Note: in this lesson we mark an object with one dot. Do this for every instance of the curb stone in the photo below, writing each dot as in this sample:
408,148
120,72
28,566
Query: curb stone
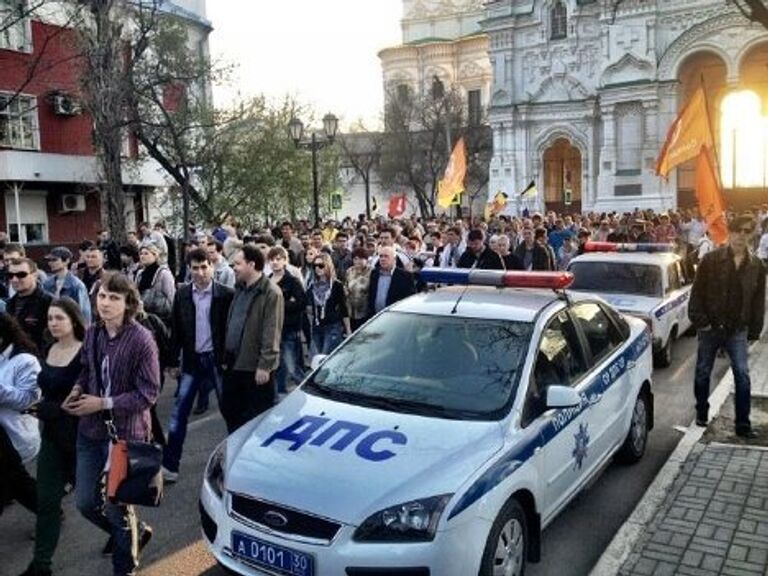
663,486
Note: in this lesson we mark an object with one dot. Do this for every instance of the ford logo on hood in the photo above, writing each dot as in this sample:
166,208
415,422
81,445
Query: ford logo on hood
275,519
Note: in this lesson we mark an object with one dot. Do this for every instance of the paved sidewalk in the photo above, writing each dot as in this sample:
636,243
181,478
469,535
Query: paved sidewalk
714,518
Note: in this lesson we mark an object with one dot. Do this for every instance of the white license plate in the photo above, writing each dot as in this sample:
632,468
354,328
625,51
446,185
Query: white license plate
277,558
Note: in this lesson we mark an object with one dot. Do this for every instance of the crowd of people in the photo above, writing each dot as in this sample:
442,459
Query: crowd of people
231,312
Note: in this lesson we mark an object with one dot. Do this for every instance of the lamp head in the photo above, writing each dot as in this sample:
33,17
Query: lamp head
330,125
295,130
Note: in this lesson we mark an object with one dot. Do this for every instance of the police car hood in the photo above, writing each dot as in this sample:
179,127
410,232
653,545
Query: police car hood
345,462
631,304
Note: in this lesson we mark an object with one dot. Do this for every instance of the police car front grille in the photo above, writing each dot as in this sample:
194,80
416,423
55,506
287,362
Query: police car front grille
296,523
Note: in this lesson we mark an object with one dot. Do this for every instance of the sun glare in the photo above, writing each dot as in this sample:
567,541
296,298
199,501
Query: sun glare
743,141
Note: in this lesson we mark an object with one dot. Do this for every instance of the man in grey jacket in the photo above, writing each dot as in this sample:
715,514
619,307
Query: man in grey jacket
252,344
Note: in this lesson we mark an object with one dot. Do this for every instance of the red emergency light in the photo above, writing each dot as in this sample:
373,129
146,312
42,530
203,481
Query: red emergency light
501,278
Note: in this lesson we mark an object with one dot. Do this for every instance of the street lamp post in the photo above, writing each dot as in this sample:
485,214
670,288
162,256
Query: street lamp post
314,144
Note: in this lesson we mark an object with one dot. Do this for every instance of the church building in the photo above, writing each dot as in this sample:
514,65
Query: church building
584,91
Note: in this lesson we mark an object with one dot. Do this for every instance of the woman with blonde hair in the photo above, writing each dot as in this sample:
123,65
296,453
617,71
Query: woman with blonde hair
156,284
327,305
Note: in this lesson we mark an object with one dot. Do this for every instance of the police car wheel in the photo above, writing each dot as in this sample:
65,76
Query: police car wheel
664,356
507,544
637,438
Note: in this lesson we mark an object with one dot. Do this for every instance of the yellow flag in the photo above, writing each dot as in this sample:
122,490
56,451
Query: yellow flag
452,183
488,212
687,134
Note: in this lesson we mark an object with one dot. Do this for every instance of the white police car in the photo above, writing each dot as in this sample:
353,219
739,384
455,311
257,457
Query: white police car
645,280
439,439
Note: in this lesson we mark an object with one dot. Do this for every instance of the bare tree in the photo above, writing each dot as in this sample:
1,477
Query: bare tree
169,105
420,132
142,79
104,86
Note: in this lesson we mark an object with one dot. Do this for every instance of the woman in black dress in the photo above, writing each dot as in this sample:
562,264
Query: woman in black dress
56,461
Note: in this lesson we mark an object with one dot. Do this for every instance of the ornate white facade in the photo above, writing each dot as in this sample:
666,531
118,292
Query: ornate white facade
442,39
604,81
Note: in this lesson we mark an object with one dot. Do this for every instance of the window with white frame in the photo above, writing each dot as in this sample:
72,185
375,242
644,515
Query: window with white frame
15,31
558,21
629,138
18,121
33,210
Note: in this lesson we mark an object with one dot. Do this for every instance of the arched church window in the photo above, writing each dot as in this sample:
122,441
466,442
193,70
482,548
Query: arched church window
558,21
438,88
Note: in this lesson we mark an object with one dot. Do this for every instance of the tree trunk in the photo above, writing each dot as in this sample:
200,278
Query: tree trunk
113,196
104,90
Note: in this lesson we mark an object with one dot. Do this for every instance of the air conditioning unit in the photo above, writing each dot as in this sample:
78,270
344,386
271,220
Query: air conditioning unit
72,203
64,105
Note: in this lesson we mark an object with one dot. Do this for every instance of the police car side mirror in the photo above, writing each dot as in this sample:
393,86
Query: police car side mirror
562,397
317,361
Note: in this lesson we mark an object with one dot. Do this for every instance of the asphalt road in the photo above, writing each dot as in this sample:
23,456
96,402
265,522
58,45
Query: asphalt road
572,543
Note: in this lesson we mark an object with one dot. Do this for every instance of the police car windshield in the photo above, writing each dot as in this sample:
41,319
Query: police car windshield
617,277
449,367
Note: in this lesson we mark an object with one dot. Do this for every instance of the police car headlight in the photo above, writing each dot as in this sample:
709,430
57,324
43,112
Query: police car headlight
414,521
214,473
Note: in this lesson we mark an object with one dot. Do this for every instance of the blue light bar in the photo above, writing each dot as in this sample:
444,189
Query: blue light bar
445,276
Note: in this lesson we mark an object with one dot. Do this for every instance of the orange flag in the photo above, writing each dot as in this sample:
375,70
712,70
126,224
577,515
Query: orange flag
710,197
452,183
688,133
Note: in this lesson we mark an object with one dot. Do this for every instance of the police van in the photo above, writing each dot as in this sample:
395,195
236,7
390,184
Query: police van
648,281
439,439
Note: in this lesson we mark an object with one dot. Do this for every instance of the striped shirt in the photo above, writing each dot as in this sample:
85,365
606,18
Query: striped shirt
133,378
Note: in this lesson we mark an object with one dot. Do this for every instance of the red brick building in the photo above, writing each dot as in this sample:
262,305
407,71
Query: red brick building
49,173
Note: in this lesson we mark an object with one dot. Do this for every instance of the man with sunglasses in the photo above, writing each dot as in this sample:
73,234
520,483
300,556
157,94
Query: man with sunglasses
727,308
30,302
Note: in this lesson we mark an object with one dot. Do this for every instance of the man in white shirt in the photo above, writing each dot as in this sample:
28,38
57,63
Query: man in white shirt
453,249
222,271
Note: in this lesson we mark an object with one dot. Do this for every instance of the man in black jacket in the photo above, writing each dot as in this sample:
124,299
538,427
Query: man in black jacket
531,253
478,255
200,311
389,284
29,304
727,308
294,301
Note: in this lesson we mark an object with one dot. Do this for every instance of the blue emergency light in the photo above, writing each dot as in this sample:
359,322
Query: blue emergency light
627,247
501,278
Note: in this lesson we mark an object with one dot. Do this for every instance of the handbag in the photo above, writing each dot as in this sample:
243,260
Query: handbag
134,473
157,302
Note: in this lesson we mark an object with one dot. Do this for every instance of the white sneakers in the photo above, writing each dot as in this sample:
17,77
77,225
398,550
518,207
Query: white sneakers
169,477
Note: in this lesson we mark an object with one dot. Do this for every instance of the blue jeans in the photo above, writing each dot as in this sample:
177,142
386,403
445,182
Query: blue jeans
710,341
291,360
325,339
205,377
116,520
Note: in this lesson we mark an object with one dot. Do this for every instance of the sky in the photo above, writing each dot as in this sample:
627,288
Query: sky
324,52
